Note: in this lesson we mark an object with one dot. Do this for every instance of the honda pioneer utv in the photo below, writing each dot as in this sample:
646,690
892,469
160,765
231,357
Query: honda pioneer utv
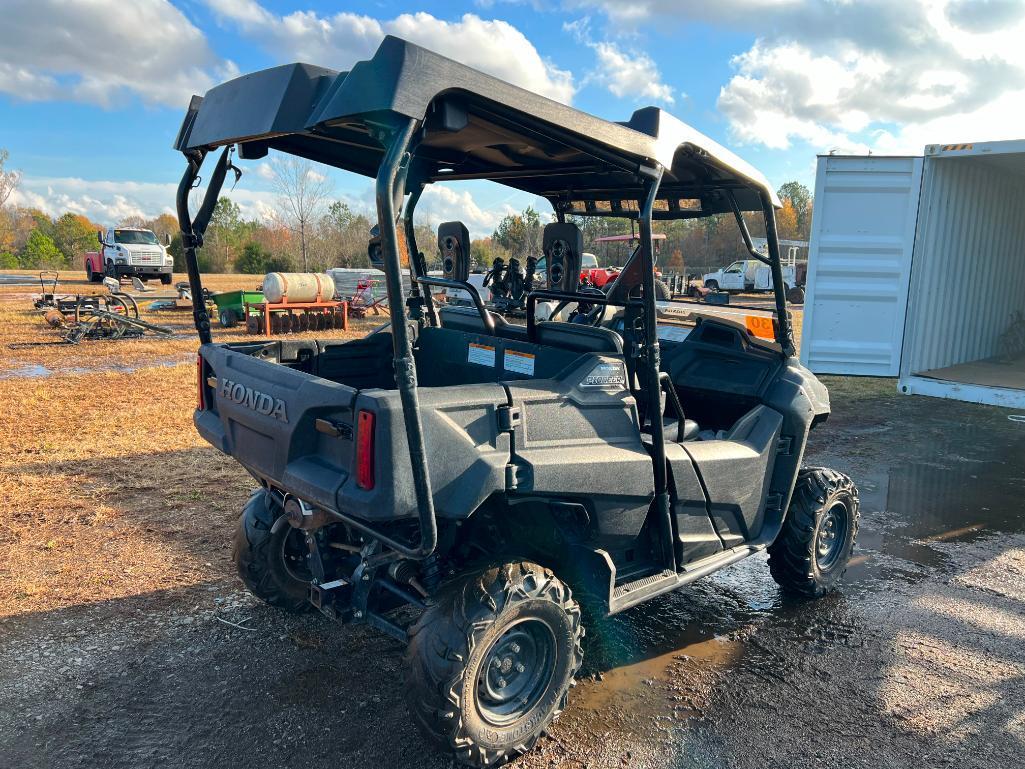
489,478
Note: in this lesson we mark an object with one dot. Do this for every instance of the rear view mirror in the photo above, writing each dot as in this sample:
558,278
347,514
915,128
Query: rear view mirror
99,236
167,239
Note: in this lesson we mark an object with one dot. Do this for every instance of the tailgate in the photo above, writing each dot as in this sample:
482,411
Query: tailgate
265,414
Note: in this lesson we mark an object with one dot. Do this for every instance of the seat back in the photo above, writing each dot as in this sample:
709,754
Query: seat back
469,320
579,338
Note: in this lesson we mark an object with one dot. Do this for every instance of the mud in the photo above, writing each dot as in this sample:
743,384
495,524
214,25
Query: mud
33,370
918,661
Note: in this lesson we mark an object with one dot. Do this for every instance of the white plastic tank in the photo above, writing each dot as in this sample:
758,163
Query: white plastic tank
298,287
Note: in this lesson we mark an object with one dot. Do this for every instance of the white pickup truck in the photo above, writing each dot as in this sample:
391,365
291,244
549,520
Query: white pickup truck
747,275
127,252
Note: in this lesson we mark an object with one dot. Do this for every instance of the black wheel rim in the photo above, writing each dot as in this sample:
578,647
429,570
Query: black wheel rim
293,555
831,536
516,672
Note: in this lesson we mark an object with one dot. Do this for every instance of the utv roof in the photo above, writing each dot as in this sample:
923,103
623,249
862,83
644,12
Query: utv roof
474,127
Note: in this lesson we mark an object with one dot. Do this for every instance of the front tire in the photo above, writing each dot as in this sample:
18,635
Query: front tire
811,553
271,559
165,280
491,662
662,292
712,285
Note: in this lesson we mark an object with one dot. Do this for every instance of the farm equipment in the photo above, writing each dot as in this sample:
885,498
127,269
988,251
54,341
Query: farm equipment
295,302
493,477
364,300
232,305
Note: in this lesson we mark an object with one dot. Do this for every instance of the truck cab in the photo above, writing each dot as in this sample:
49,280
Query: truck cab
747,275
129,252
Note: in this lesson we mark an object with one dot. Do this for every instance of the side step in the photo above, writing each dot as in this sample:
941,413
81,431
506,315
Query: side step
632,593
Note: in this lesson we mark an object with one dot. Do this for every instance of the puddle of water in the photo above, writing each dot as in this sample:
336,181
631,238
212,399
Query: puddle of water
33,370
26,371
923,504
627,681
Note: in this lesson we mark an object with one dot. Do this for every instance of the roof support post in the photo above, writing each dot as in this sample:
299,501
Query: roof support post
652,384
390,188
192,229
784,334
414,256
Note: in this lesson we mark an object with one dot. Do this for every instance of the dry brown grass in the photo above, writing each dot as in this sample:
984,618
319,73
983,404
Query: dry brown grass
20,323
106,490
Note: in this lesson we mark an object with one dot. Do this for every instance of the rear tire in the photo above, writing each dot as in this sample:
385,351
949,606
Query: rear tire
795,295
228,318
271,560
810,555
491,662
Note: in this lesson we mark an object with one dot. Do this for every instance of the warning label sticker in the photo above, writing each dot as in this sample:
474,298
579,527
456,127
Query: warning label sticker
481,354
520,362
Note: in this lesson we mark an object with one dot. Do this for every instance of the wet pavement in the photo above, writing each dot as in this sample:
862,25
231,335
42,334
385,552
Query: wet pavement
919,660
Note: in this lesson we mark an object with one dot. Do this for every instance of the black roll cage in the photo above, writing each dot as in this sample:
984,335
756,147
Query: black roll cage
396,179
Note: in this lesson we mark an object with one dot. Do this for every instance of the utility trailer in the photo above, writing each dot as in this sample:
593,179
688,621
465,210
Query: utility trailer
496,477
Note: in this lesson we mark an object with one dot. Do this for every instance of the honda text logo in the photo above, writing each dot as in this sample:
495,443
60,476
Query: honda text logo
253,399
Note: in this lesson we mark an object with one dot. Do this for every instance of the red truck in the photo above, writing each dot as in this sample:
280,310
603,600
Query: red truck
129,252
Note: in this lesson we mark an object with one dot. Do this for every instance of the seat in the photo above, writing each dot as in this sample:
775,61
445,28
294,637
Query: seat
469,320
671,430
579,338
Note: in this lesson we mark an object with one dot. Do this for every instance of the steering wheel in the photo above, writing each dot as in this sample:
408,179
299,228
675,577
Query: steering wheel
593,316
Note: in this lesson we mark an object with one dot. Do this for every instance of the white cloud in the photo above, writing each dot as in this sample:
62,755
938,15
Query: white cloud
441,203
628,75
857,75
341,39
97,52
109,202
632,76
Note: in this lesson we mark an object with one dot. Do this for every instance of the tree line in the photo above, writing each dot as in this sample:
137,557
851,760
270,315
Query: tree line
310,232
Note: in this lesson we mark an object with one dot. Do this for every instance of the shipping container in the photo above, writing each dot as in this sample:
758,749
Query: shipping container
917,270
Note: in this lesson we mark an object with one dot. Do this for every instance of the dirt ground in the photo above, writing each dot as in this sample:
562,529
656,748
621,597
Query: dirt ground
126,640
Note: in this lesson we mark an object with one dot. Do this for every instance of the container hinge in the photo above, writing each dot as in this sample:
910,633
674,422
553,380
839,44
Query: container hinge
508,417
334,429
515,475
785,445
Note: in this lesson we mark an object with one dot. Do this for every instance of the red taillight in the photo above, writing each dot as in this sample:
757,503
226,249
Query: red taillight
200,385
365,450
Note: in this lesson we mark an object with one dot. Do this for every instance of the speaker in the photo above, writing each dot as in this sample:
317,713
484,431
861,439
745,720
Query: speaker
454,244
563,245
374,250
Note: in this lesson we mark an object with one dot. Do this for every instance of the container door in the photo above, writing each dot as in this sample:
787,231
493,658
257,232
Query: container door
859,264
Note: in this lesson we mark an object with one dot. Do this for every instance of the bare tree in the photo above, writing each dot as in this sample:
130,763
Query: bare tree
8,179
301,194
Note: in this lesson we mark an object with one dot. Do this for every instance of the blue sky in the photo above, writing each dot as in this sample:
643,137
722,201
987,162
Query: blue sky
92,91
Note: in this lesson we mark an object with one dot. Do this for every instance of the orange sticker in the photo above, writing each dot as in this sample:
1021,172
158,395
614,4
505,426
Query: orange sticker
761,326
